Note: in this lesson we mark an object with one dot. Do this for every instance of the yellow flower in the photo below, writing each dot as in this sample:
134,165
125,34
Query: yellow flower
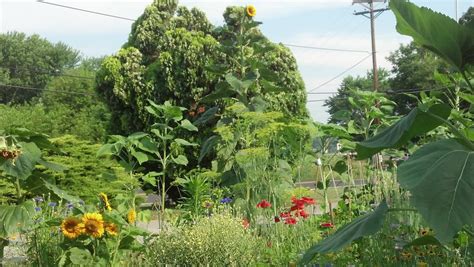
421,264
251,11
93,224
105,199
132,216
72,227
111,229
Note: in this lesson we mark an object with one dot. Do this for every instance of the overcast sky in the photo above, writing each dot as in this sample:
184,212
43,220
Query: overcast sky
320,23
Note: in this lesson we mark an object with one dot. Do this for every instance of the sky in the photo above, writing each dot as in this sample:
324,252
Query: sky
317,23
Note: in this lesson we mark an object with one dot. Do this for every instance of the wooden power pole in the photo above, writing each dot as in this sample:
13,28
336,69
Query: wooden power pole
372,14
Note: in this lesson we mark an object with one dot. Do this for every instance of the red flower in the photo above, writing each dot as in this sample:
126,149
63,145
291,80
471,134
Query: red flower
303,214
245,223
308,200
285,214
327,225
277,219
264,204
298,204
290,220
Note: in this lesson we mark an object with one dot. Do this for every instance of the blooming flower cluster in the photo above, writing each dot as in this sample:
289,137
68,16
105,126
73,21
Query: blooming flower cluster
91,224
264,204
226,200
297,210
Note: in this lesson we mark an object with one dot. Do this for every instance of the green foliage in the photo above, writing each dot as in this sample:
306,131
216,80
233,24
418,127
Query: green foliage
175,54
86,175
30,61
420,121
452,41
213,241
365,225
440,176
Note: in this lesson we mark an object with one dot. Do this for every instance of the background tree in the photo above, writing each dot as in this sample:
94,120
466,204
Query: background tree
30,61
169,56
338,105
413,70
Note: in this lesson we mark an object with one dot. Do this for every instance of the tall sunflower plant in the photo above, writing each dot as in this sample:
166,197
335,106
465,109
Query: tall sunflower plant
103,234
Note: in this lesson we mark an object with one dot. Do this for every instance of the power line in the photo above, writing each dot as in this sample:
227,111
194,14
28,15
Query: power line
340,74
44,90
327,48
85,10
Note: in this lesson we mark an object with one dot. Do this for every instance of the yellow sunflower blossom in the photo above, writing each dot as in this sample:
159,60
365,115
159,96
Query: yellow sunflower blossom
132,216
105,199
111,229
251,10
406,256
93,224
72,227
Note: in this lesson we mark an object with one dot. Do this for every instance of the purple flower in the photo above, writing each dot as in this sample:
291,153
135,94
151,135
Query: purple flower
38,199
69,205
226,200
52,204
37,209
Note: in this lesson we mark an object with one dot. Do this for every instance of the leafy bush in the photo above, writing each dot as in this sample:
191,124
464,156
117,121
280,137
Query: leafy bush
86,175
220,240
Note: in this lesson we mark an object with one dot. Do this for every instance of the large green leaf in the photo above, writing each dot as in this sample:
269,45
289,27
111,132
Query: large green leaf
440,177
24,165
208,146
206,116
15,218
436,32
365,225
417,122
185,124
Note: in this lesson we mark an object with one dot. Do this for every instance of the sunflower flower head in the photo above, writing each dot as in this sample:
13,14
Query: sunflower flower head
105,200
111,229
131,216
72,227
251,10
93,224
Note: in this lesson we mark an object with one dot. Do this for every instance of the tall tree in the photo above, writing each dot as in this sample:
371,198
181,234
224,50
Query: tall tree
30,61
170,55
413,70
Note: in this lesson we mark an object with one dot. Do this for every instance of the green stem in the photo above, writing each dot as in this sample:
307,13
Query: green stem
18,191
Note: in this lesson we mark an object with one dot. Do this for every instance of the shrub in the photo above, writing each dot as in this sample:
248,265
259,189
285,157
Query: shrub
220,240
86,175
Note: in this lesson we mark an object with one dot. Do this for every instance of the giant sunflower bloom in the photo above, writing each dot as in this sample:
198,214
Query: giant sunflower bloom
93,224
105,199
251,10
111,229
72,227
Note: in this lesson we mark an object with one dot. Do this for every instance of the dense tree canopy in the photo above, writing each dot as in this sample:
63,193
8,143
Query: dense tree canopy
30,61
170,55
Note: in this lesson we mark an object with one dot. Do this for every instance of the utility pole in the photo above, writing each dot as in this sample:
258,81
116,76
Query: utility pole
371,14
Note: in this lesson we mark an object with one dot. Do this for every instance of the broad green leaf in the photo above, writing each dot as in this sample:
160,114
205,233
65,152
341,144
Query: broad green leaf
340,167
52,166
234,82
424,240
23,166
222,91
14,218
173,112
80,257
468,97
188,126
137,136
206,116
181,160
140,156
184,142
365,225
269,87
208,145
61,193
107,149
436,32
440,177
146,144
417,122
